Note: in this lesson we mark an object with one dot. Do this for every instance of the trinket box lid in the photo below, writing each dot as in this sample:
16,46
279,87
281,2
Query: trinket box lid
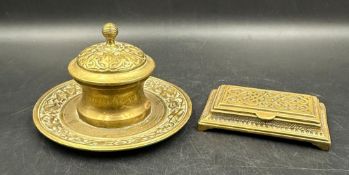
111,63
268,104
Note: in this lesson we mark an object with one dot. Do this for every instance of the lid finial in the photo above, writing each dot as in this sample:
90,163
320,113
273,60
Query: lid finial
110,31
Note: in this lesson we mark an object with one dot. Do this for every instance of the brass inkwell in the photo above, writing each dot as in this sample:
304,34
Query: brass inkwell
113,103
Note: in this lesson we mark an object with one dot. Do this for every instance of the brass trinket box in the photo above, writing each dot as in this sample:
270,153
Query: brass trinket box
113,103
273,113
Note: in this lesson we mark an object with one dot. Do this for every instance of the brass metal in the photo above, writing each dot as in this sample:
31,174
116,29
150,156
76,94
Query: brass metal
112,75
112,104
273,113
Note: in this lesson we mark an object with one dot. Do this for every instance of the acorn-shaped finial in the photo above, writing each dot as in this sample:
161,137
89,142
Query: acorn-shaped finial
110,31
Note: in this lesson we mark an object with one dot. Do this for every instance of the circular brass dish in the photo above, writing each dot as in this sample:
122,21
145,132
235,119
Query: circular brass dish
56,117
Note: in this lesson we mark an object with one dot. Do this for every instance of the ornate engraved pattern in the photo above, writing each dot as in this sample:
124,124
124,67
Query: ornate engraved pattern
274,126
317,135
51,105
264,99
111,58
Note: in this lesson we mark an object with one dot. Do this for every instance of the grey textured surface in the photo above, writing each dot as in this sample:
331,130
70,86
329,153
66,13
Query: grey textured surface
306,56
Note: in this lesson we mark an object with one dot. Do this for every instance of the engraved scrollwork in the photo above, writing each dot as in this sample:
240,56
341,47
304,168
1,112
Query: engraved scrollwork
111,58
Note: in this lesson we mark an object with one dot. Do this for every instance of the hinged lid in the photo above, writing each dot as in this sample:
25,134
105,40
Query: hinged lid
267,104
111,62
